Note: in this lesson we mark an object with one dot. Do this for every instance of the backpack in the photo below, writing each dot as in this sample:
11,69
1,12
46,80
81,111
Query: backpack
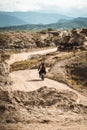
43,68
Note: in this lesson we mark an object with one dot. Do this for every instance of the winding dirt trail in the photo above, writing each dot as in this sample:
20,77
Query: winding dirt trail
26,55
28,80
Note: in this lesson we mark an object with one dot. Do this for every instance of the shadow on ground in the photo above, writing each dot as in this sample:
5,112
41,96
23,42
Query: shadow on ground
34,80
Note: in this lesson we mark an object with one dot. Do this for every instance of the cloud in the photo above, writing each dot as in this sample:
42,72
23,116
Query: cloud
70,7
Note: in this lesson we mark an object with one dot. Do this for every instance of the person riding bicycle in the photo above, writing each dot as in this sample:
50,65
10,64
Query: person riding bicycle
42,69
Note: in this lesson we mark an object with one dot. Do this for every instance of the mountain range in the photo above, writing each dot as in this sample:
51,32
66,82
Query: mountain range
39,21
21,18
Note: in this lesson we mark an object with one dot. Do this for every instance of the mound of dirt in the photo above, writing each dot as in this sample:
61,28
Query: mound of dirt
19,106
72,71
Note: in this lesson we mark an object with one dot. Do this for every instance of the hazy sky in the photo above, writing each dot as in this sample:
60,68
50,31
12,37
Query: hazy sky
66,7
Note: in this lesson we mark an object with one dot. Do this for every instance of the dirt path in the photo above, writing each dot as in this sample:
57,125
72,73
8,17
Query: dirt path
28,80
25,55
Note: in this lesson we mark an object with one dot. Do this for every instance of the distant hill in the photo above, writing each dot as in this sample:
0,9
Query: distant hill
62,24
70,24
29,18
8,20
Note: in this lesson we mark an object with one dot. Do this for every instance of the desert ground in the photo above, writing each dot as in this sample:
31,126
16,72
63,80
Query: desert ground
56,105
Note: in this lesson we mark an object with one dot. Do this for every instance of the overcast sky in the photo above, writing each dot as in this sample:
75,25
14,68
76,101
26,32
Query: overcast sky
67,7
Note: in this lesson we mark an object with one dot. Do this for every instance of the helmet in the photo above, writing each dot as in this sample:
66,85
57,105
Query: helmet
42,63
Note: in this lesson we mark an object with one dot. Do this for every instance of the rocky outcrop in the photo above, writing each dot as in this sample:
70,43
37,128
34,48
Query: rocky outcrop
16,40
72,71
77,70
65,40
23,40
4,72
72,39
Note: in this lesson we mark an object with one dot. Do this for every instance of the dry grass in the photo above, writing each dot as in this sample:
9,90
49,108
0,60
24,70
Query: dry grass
22,65
34,62
50,59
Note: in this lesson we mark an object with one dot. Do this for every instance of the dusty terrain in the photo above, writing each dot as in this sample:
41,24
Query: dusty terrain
32,104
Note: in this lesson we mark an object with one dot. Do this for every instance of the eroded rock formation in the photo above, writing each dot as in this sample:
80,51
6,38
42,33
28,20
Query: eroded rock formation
4,72
65,40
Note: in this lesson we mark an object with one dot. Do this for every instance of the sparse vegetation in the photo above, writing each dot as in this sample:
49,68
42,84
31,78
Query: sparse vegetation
50,29
26,64
34,62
